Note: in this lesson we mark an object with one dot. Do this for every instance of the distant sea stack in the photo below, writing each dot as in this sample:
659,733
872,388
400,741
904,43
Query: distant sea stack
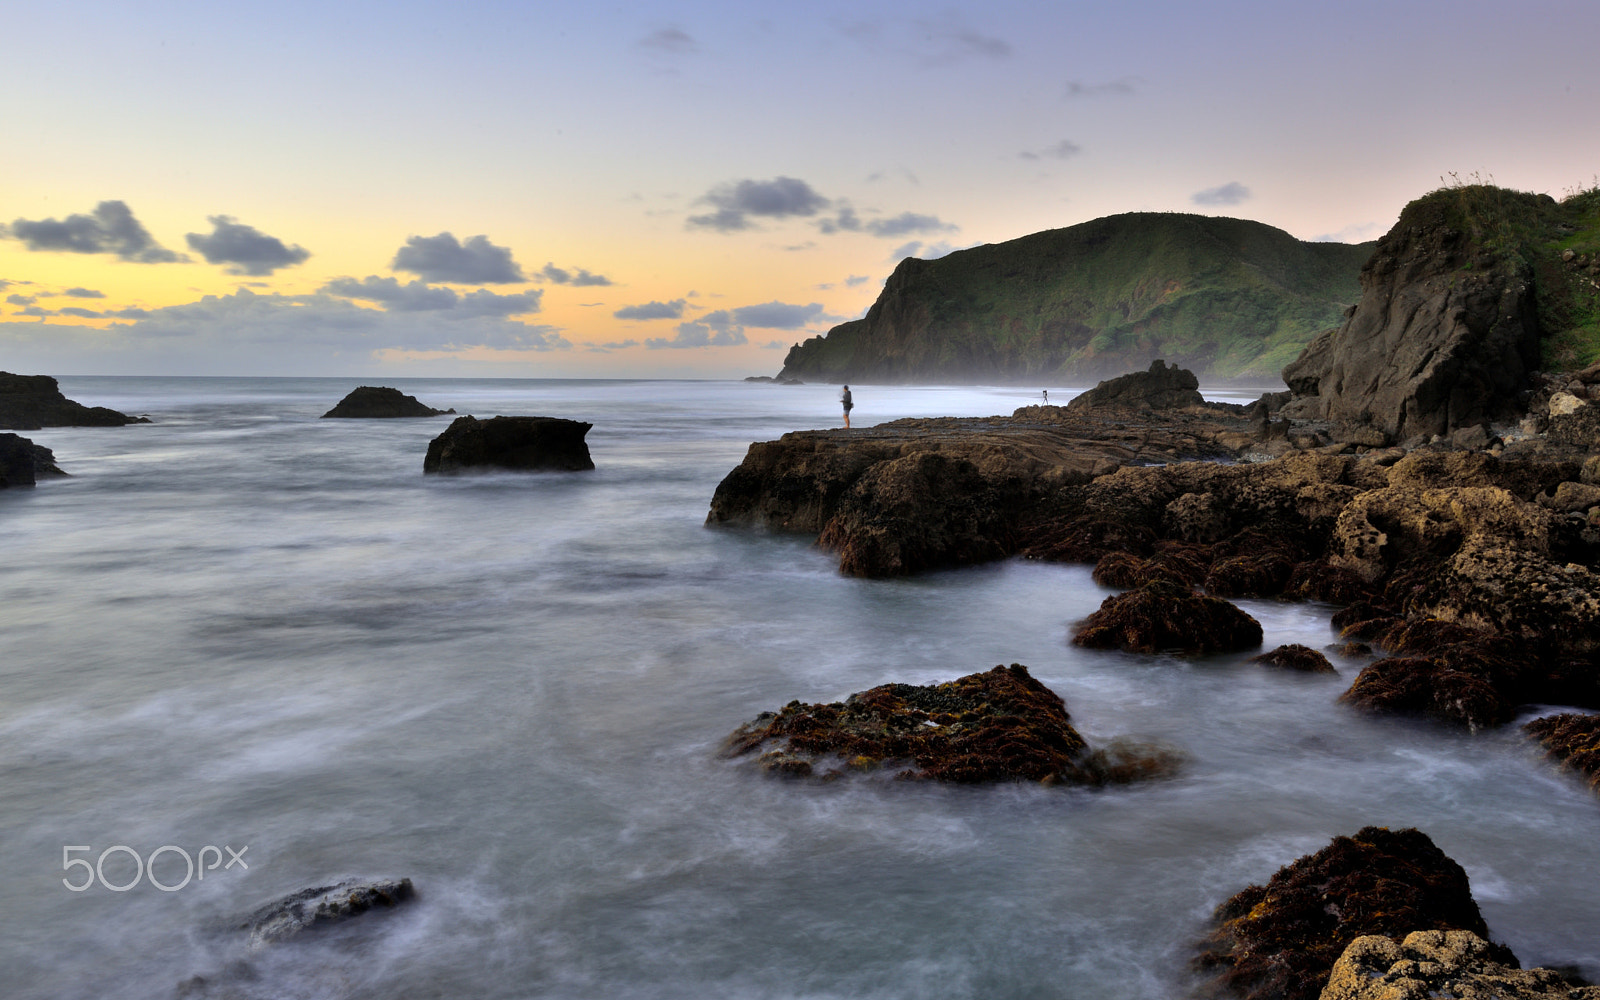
529,444
369,402
1474,289
31,402
1226,298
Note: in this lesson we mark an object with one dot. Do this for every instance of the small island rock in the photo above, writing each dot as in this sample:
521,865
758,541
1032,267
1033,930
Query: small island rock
522,443
31,402
372,402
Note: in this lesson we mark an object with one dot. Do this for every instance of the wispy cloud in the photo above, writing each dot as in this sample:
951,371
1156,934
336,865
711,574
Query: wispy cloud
418,296
1231,193
575,276
1125,87
1066,149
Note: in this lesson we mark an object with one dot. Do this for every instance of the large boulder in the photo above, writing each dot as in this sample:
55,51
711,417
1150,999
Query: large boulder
372,402
1162,616
1280,941
1430,964
1001,725
22,462
30,402
1446,332
1572,739
522,443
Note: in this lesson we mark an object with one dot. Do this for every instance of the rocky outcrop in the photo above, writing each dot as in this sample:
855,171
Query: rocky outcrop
1162,617
324,905
31,402
22,462
1573,740
1431,964
369,402
1281,940
1159,388
1001,725
527,444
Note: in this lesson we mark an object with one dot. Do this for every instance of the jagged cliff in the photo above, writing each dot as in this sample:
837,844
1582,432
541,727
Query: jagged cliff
1226,298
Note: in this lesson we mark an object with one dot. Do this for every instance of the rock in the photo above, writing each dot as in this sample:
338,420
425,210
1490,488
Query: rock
997,726
323,905
1563,403
1421,686
522,443
1429,964
22,462
1281,940
1165,617
30,402
1296,657
1571,498
1573,740
1444,336
371,402
1579,429
1159,388
1474,438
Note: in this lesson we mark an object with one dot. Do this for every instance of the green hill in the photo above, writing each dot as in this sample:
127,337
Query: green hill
1227,298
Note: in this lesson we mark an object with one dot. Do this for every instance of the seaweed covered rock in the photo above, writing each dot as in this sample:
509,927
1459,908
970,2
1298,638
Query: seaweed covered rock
1425,687
22,462
369,402
1001,725
323,905
30,402
1430,964
1280,940
1447,671
1162,616
1296,657
522,443
1572,739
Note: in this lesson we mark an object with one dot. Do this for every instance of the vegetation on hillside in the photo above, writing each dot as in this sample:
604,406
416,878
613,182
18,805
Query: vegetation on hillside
1227,298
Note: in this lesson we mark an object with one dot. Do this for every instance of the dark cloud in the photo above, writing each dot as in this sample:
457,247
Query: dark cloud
21,300
443,258
653,310
83,293
78,311
1231,193
614,345
669,40
737,202
575,276
772,315
247,249
129,313
1066,149
845,220
418,296
39,311
1116,88
110,229
700,334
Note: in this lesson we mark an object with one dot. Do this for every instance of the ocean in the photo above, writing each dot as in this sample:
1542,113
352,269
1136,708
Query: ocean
244,628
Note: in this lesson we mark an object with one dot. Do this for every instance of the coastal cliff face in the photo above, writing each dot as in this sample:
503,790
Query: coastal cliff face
1227,298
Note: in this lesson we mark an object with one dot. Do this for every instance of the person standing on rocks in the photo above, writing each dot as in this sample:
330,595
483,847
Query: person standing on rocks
1047,397
848,406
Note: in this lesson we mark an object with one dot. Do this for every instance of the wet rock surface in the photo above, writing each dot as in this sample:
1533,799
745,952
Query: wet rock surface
529,444
1296,657
1001,725
1281,940
323,906
1430,964
369,402
31,402
1164,617
22,462
1573,740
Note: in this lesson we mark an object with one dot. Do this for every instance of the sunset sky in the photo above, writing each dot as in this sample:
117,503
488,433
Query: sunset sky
687,189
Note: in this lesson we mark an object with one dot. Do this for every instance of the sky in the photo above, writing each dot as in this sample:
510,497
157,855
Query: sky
686,190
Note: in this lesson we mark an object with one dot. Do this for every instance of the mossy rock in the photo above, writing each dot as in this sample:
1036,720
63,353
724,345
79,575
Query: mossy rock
1165,617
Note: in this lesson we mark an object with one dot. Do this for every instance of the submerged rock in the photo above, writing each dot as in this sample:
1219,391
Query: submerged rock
324,905
1430,964
1162,616
22,462
523,443
1572,739
30,402
997,726
373,402
1280,941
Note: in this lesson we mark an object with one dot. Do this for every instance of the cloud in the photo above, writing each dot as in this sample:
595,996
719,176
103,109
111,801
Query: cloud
653,310
736,202
774,345
931,44
700,334
1124,87
928,251
1355,233
672,41
110,229
725,327
21,300
1066,149
575,276
250,251
443,258
418,296
856,279
78,311
1231,193
614,345
81,293
904,224
771,315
